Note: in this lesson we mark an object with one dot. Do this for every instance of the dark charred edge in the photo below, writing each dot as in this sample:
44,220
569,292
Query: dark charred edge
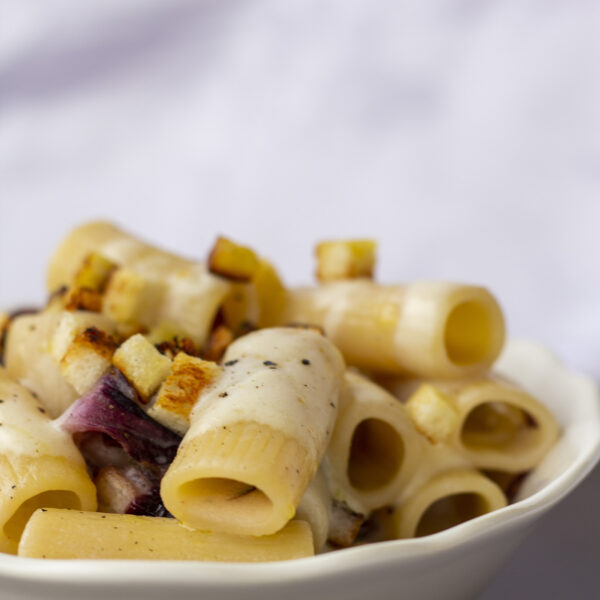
176,345
343,537
5,326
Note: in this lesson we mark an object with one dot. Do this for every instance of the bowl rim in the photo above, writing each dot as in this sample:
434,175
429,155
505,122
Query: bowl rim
93,572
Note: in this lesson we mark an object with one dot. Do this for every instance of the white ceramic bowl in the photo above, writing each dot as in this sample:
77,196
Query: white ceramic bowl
453,564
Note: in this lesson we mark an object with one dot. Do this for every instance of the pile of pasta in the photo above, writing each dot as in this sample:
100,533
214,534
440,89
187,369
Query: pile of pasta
164,408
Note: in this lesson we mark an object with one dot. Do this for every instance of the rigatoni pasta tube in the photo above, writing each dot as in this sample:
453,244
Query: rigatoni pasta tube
499,426
48,352
149,287
55,533
257,436
374,448
430,329
447,499
39,464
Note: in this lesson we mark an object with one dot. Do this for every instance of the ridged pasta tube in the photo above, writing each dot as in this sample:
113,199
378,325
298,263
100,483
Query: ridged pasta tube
56,533
150,286
49,353
257,436
429,329
374,449
447,499
499,426
39,464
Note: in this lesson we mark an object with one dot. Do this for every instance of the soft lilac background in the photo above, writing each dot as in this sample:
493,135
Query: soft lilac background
463,134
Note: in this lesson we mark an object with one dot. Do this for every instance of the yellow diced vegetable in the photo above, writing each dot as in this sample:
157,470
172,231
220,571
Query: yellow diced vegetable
345,259
433,413
232,261
94,272
271,294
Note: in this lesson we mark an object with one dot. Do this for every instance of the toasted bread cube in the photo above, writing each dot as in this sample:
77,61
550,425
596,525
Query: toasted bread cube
345,259
433,413
232,261
71,324
81,298
178,394
217,343
94,272
143,365
131,298
271,294
87,358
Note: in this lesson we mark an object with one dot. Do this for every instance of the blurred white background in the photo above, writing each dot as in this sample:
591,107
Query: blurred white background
463,134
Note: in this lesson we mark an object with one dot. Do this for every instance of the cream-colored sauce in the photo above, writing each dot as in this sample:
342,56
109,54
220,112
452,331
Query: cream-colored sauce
300,400
25,429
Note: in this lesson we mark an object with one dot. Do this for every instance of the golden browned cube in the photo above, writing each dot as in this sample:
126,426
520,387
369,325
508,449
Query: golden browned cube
345,259
232,261
143,365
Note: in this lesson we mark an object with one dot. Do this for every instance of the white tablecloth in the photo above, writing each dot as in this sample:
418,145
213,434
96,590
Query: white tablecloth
463,134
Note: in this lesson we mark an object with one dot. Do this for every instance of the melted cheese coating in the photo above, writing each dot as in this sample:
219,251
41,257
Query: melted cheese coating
25,429
288,379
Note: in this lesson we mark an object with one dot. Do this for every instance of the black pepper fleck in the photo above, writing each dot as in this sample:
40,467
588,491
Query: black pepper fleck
305,361
332,405
230,363
223,395
269,363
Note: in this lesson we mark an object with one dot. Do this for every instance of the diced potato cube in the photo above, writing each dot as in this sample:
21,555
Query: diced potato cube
345,259
87,358
94,272
232,261
217,343
132,299
143,365
178,394
81,298
271,294
433,413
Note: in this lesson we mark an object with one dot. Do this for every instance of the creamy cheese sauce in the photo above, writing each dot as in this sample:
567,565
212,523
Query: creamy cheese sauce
287,379
25,429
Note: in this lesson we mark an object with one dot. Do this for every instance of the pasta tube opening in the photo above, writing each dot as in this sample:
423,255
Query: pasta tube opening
468,333
447,499
450,511
224,500
13,528
499,425
376,454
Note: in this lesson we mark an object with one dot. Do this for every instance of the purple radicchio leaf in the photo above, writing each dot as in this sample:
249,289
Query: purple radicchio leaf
127,451
110,408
